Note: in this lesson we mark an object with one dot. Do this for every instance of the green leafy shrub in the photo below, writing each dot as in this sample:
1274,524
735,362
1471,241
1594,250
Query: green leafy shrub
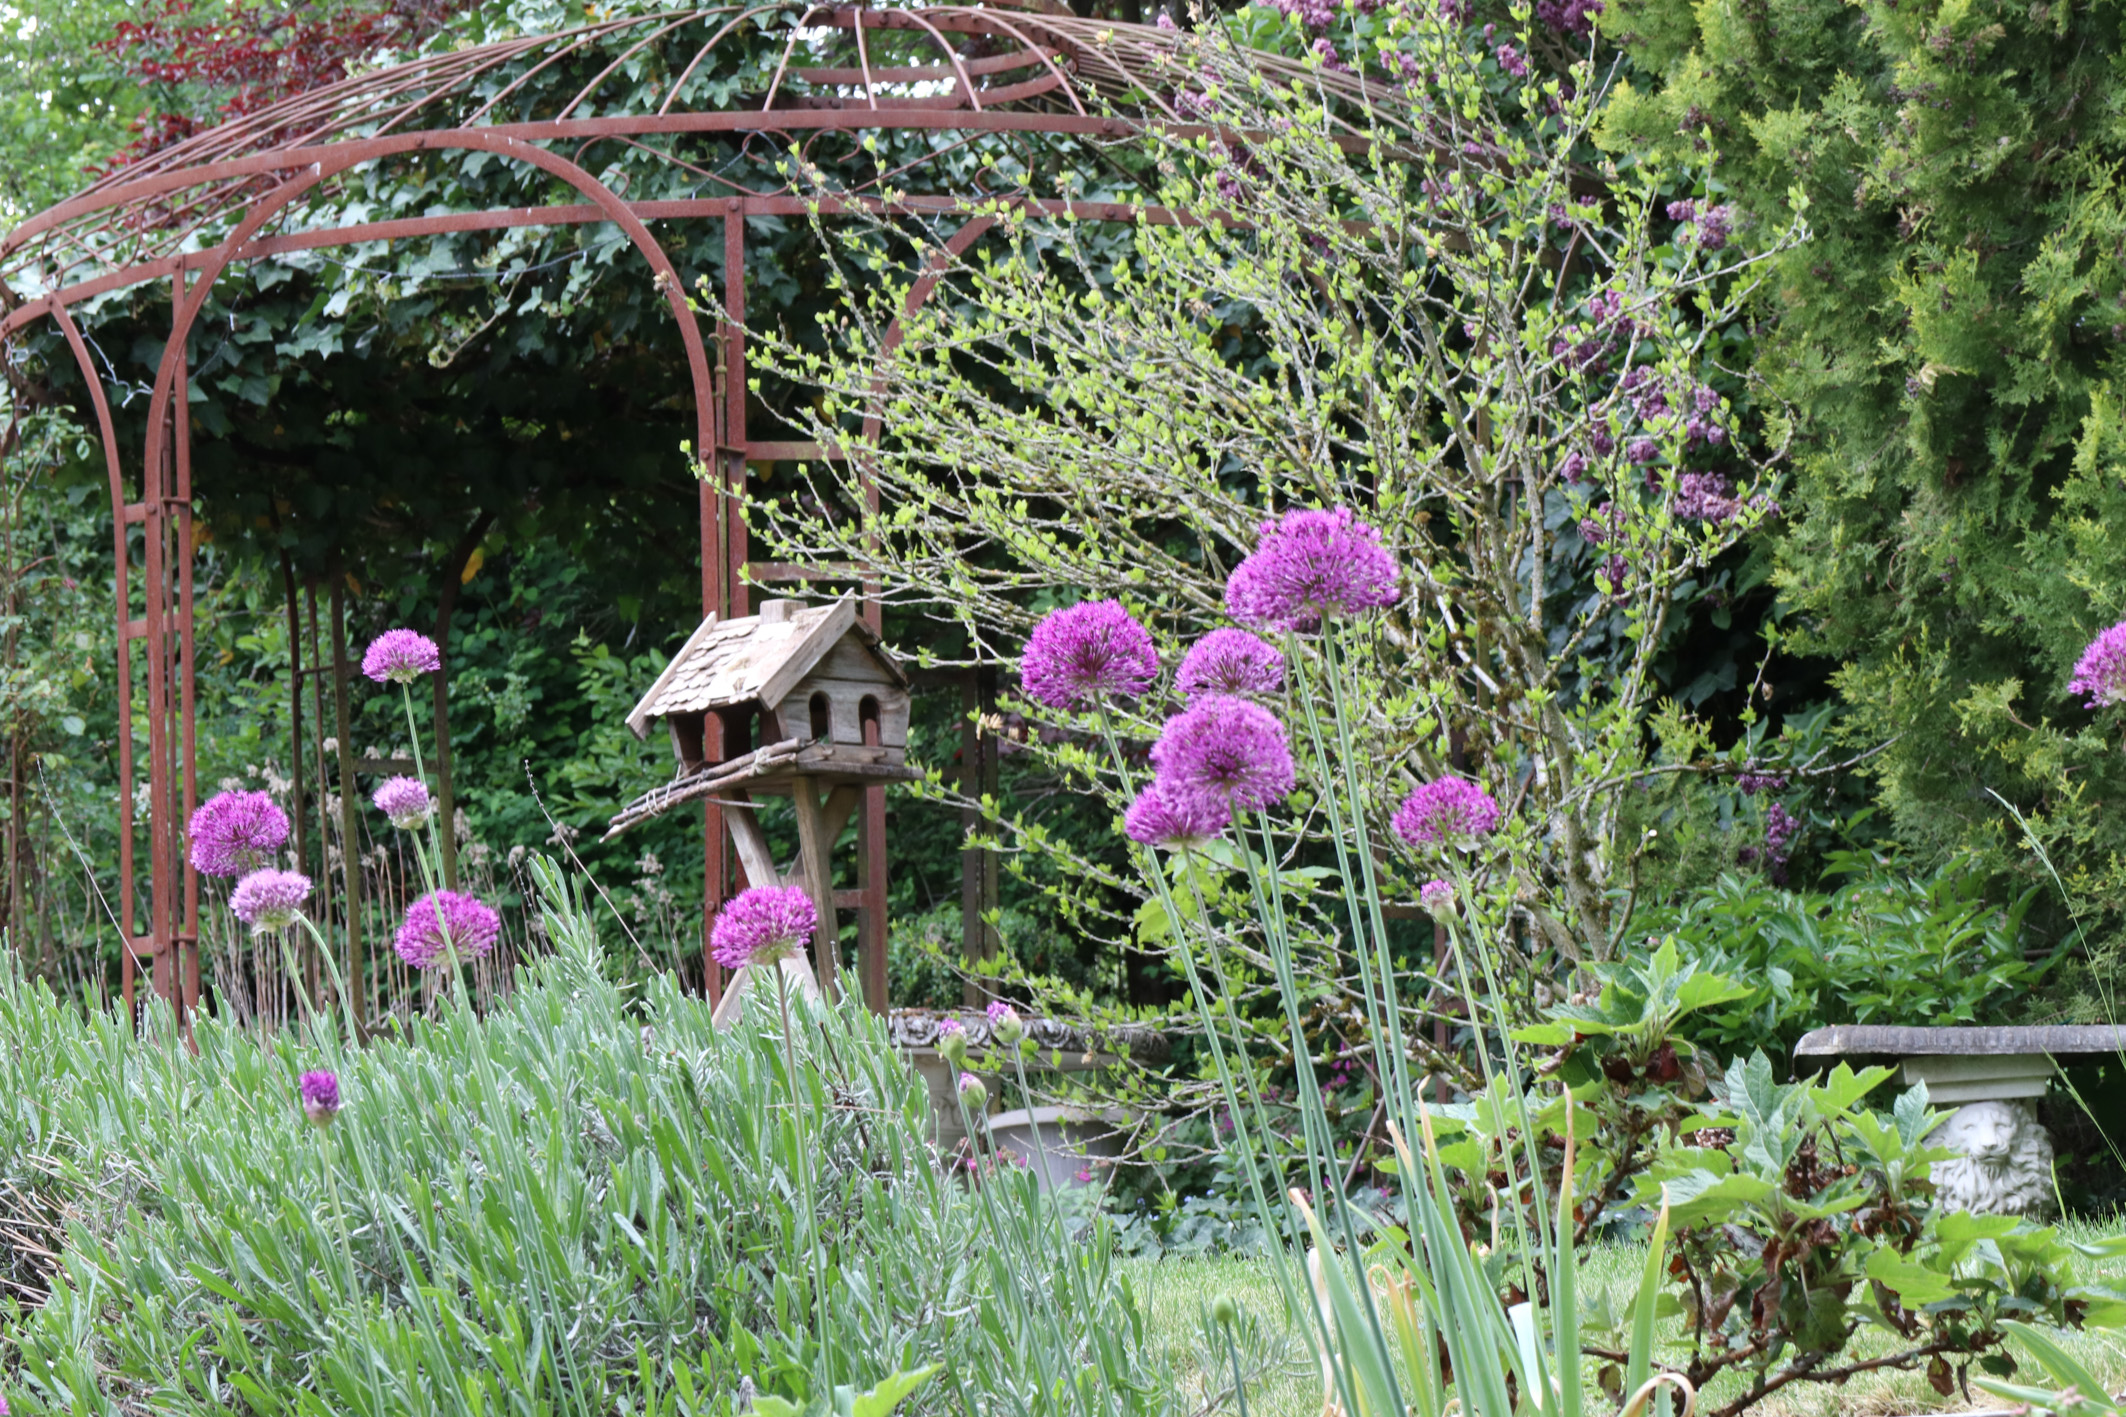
583,1203
1881,948
1798,1215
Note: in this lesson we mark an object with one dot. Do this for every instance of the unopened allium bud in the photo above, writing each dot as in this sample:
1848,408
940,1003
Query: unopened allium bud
1437,896
973,1093
321,1097
1225,1311
952,1042
1004,1023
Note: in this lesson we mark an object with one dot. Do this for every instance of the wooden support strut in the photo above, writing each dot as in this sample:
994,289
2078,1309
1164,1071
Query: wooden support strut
819,826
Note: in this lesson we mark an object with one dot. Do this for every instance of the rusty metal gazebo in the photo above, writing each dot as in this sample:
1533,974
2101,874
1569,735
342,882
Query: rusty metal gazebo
275,182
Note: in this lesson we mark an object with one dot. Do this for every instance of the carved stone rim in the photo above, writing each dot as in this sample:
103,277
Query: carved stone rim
918,1029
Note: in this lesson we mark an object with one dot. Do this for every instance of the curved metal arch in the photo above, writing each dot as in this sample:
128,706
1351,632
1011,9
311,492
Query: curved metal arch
616,209
162,429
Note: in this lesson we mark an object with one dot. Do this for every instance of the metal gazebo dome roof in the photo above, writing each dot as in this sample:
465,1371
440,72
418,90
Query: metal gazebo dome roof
946,69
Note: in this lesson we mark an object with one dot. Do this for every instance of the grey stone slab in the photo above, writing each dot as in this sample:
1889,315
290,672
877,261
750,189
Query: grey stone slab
1849,1039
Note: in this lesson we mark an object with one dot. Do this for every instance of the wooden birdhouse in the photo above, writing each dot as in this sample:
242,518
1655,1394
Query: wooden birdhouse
806,703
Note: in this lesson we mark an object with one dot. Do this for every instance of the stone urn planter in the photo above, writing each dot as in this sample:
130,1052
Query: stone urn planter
1060,1145
1060,1047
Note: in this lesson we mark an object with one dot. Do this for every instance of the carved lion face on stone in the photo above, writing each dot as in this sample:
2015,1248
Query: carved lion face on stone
2005,1161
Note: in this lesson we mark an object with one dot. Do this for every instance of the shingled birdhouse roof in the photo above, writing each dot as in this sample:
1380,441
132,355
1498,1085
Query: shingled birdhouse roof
756,659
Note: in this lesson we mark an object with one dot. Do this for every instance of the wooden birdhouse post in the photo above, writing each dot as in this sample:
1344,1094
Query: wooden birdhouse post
812,707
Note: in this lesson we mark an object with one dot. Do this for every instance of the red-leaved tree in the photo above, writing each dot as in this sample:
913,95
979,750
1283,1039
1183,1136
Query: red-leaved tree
208,63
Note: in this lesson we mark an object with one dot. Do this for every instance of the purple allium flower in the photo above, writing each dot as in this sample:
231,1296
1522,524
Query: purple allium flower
401,656
1092,648
320,1092
2101,671
1230,662
1311,565
269,900
445,922
1443,811
950,1025
1226,751
763,925
405,800
1436,896
1162,818
235,832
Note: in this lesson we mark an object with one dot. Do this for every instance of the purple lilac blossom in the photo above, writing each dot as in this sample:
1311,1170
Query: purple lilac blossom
443,923
1605,525
1780,829
1445,812
1088,650
320,1093
1311,565
1753,783
1617,572
233,833
1166,21
1574,468
1226,751
1230,662
763,925
1436,896
1314,14
1165,819
1324,49
1707,495
1601,440
1710,224
404,800
1511,61
2101,671
269,900
1641,451
400,657
1571,17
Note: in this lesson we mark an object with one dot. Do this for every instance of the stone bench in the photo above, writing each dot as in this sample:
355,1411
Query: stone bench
1991,1076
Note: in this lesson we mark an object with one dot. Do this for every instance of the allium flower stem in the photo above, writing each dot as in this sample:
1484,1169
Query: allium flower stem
1376,972
825,1330
1252,1155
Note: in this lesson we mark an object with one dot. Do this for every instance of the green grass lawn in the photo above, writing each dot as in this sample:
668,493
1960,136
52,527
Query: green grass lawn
1283,1380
